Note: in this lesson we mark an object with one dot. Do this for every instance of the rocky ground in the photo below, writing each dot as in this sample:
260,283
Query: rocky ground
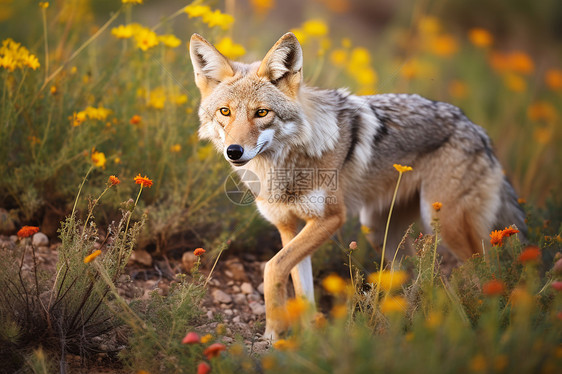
234,297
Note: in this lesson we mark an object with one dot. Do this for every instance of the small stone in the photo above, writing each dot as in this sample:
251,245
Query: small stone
228,273
236,319
142,257
188,259
247,288
220,296
40,240
257,308
228,312
210,314
254,297
237,269
260,288
235,289
240,298
230,283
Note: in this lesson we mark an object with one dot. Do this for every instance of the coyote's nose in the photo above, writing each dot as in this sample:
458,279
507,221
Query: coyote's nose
234,152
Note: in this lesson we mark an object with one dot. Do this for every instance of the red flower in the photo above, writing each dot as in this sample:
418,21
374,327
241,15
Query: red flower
27,231
530,254
135,120
113,180
508,231
199,252
214,350
143,181
191,338
493,288
496,237
203,368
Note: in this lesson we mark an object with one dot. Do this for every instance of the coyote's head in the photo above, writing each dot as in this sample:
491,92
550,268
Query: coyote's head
247,109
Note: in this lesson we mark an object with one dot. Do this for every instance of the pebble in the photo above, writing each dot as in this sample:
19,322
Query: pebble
228,312
240,298
260,288
142,257
40,240
220,296
235,289
254,297
236,319
188,259
247,288
236,268
210,314
257,308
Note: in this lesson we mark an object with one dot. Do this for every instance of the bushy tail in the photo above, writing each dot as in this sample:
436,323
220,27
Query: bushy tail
510,212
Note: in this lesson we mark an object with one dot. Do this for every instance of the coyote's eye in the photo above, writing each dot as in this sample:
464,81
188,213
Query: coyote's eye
225,111
261,112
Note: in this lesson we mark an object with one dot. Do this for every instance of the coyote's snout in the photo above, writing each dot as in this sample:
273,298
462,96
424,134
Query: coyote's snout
323,154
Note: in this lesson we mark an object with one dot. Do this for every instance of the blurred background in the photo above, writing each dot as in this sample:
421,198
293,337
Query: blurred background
112,90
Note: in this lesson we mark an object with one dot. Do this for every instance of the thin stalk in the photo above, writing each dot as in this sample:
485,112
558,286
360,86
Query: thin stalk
215,264
79,191
388,224
44,18
92,210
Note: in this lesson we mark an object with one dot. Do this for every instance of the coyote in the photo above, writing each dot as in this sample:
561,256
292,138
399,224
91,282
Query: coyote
323,154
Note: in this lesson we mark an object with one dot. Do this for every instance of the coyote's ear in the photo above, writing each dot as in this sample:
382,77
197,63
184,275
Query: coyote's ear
282,65
209,65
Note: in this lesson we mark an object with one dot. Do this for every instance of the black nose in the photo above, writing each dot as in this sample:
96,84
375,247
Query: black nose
234,152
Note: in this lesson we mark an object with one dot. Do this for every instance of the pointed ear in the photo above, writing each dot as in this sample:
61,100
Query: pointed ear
282,65
209,65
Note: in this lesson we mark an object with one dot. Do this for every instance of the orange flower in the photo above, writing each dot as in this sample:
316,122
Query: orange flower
480,37
444,45
191,338
542,111
92,256
143,181
553,79
214,350
508,231
531,254
493,288
203,368
135,120
199,251
496,237
113,180
437,206
27,231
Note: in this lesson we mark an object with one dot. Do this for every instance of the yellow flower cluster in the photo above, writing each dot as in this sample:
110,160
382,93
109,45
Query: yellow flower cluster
144,37
134,2
15,56
230,49
314,30
389,280
434,40
212,18
99,114
98,159
357,64
158,96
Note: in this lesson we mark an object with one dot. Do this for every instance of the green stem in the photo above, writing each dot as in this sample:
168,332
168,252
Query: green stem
92,210
131,214
388,225
79,191
44,18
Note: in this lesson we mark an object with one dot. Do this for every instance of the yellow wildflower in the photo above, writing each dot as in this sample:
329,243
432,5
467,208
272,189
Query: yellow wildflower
401,168
365,230
92,256
300,35
230,49
8,63
44,4
339,311
262,6
157,98
437,206
98,158
100,113
515,82
389,280
480,37
520,62
15,56
339,57
543,135
295,309
217,18
334,284
131,2
206,338
194,10
429,25
394,304
122,31
175,148
169,40
146,39
285,345
434,320
359,57
78,118
315,28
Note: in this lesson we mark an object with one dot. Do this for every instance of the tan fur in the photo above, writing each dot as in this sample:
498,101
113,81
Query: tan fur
359,138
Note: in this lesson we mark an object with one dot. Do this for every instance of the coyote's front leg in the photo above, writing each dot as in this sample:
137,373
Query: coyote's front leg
277,270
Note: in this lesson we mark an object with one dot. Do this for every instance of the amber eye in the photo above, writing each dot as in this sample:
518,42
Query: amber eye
225,111
261,112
